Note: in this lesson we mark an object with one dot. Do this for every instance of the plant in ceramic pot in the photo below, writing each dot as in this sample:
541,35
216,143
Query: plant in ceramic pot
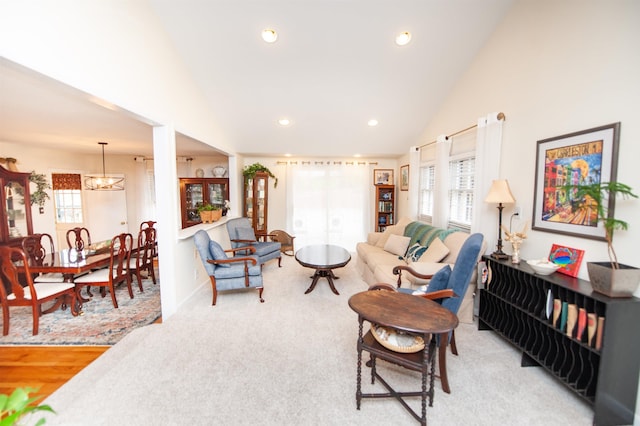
597,199
249,172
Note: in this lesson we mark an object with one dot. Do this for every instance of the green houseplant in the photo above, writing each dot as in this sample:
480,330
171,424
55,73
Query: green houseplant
249,172
610,278
39,196
19,404
209,213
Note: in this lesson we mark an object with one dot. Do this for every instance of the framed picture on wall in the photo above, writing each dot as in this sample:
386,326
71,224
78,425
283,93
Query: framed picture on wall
580,158
404,178
383,176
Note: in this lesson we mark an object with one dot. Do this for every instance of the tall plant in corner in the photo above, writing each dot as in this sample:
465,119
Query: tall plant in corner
600,197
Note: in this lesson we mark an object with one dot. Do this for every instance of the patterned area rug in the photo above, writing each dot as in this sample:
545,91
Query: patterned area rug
100,323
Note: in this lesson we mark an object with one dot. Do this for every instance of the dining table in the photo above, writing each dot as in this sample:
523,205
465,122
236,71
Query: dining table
70,262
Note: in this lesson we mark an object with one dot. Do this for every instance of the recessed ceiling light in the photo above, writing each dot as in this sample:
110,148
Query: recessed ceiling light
403,38
269,35
284,122
373,122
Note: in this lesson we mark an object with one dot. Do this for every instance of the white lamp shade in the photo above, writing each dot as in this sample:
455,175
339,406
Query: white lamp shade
500,193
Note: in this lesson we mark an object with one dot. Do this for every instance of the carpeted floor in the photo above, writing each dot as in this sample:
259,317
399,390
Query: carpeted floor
292,360
100,323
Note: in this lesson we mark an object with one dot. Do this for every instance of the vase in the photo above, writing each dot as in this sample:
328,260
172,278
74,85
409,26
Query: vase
621,282
515,256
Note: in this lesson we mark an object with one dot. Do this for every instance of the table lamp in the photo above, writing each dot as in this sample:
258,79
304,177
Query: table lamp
501,194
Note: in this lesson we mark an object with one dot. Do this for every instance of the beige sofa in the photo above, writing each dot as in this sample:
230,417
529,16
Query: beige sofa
433,248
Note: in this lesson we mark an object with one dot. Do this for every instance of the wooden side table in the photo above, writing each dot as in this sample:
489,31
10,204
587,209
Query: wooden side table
403,312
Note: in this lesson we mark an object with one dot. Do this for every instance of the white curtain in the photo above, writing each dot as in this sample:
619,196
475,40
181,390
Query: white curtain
441,190
145,187
329,203
488,146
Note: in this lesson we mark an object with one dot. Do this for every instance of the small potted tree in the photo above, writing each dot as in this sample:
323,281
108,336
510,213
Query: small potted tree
610,278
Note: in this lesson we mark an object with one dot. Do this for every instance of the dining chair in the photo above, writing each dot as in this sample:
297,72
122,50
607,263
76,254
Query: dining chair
37,246
448,287
151,224
33,294
78,238
116,273
142,260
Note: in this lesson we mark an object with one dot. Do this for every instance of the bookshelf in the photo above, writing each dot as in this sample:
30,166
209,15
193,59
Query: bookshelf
385,206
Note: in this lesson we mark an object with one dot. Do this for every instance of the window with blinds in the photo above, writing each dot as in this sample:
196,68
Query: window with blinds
67,197
461,187
426,194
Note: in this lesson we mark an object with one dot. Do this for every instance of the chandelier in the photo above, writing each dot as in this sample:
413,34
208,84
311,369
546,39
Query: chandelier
103,182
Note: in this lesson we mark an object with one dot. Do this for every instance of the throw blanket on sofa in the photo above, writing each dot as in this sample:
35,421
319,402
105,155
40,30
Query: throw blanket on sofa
424,234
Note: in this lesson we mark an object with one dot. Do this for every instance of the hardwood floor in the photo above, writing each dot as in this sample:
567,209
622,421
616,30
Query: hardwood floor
46,367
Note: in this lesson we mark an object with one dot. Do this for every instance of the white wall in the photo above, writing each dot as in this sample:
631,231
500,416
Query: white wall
118,52
555,67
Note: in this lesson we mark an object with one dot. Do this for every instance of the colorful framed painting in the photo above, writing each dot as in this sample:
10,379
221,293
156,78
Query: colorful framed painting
383,176
580,158
404,178
568,258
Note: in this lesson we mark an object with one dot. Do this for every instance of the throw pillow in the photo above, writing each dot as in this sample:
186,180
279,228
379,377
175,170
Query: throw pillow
397,244
414,252
396,340
245,234
435,253
389,230
218,253
440,280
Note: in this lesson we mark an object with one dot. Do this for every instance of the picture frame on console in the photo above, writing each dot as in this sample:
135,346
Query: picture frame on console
383,176
579,158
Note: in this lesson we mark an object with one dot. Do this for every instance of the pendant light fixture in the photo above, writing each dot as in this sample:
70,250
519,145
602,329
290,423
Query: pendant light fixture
103,182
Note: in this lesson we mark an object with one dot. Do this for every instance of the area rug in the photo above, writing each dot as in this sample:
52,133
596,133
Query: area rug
100,323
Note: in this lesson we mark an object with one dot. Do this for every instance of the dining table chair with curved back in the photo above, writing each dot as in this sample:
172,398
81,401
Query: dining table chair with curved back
37,247
78,238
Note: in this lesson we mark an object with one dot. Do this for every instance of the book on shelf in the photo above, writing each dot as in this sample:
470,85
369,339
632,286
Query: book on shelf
572,318
592,324
599,333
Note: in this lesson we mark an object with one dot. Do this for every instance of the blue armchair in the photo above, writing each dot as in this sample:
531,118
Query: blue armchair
241,235
228,273
448,287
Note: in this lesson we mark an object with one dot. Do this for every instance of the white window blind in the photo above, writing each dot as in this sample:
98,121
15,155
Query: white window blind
426,195
461,188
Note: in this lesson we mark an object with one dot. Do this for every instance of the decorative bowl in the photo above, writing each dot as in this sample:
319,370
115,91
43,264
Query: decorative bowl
543,266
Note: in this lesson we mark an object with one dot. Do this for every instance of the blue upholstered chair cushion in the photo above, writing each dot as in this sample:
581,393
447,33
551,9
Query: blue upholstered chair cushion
218,253
245,234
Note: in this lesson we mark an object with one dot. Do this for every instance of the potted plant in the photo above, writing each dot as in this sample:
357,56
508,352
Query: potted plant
610,278
39,196
209,213
16,406
249,172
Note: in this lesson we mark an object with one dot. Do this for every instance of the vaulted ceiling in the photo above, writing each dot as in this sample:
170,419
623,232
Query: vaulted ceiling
333,67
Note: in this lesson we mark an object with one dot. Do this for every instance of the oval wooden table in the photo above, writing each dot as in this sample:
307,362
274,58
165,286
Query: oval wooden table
404,312
323,258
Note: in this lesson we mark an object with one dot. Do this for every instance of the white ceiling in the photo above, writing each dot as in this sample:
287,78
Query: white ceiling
334,67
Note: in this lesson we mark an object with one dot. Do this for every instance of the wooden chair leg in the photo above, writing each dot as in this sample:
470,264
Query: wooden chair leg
442,361
214,289
260,289
35,309
5,320
454,348
113,296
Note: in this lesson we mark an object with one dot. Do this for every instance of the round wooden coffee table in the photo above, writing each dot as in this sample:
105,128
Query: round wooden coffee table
323,258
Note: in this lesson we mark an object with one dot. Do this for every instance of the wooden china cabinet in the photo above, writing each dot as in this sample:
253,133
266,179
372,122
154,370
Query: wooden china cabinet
197,191
15,215
256,203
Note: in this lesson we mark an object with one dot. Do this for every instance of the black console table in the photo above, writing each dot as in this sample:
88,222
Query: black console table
515,303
